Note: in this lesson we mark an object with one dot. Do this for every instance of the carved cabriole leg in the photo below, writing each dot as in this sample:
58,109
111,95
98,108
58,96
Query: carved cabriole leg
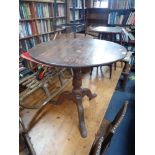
77,97
82,127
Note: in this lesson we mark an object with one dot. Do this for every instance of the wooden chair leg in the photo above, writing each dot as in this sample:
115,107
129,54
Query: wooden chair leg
121,63
124,81
115,64
110,69
91,71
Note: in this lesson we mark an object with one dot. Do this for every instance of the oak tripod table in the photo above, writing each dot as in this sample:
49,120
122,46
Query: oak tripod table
76,54
104,30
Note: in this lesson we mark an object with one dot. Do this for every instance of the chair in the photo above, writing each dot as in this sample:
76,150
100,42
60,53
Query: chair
96,35
41,78
106,132
126,70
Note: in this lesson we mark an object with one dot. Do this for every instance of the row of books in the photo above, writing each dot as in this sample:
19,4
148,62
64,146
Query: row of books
60,21
121,4
44,0
100,4
78,3
24,11
25,29
31,28
29,43
60,10
78,15
117,18
131,19
40,10
44,26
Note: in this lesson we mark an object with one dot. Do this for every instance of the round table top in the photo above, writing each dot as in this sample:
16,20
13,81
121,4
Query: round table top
101,29
77,53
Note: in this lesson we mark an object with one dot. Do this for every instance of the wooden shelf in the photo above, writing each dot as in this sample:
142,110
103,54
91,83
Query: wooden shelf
107,9
28,37
119,25
43,18
60,17
36,35
45,33
76,8
77,20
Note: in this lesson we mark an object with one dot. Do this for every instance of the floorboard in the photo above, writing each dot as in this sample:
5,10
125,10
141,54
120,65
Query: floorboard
56,132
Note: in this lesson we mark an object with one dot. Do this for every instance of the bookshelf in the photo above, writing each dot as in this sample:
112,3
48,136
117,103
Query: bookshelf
76,15
39,20
112,13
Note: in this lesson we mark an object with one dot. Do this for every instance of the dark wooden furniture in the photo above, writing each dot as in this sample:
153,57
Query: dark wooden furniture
126,70
108,33
106,132
76,54
109,16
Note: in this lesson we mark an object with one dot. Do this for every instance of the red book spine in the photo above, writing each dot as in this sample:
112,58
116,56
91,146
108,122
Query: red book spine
33,10
33,27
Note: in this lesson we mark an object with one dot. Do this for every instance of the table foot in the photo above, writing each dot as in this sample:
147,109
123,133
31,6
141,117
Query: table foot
82,127
88,93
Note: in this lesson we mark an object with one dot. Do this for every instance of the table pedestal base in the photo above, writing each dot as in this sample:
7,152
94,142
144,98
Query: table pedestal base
76,95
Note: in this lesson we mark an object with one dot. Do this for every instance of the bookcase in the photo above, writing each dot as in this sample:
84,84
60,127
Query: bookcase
38,20
76,14
110,12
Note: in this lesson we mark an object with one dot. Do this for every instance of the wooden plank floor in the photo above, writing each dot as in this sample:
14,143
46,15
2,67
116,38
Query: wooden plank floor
57,132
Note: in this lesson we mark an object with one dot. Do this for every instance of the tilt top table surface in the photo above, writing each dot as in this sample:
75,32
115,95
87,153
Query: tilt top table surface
76,54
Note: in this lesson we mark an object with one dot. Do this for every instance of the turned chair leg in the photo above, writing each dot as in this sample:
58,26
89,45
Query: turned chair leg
121,63
115,65
110,69
126,76
91,71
